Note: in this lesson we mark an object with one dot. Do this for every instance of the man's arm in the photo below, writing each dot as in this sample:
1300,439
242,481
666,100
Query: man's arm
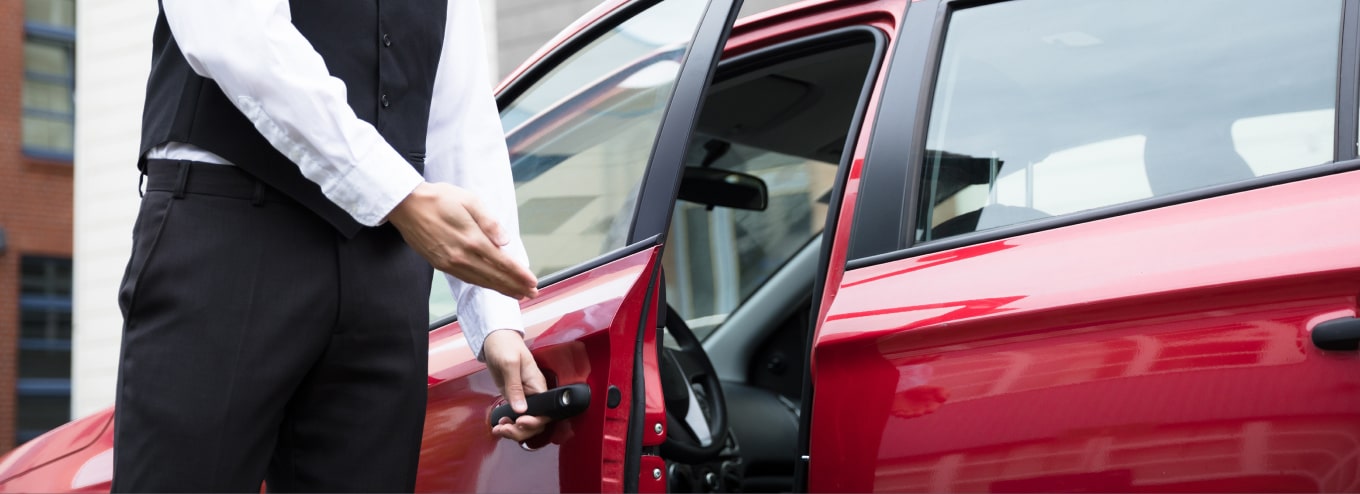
271,73
466,147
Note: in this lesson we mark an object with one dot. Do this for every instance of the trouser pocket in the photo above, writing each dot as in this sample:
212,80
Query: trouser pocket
146,232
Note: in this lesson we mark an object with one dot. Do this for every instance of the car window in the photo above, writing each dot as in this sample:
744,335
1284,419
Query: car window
580,139
785,123
1050,107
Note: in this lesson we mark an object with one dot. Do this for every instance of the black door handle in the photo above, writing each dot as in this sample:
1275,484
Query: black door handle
557,403
1338,334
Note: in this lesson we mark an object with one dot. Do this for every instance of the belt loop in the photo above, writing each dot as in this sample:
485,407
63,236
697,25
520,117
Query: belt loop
183,180
257,199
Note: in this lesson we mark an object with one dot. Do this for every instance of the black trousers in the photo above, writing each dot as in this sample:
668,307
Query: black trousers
259,344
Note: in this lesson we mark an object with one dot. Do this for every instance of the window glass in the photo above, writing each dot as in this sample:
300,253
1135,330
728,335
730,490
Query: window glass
1049,107
581,137
49,78
44,360
57,13
39,413
48,58
45,363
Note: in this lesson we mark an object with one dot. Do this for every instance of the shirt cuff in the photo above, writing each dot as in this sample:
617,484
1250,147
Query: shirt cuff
373,188
481,311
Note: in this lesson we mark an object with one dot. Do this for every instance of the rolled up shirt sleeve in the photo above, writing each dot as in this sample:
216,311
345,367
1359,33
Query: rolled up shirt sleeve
271,73
466,147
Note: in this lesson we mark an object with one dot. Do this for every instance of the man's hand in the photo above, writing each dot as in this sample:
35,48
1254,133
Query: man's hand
447,226
514,370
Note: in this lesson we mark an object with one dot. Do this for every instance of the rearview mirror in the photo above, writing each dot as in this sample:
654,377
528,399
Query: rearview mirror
729,189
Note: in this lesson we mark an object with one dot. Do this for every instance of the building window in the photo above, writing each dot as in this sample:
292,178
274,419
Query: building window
49,78
44,388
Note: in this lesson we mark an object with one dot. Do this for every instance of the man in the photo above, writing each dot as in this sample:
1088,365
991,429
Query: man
275,320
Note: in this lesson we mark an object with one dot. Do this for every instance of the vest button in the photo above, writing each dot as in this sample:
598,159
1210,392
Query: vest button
384,100
387,39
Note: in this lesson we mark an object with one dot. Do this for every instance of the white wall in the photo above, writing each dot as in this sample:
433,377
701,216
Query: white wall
524,25
113,53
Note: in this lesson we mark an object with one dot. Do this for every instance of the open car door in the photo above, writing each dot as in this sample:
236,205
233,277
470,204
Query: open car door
596,129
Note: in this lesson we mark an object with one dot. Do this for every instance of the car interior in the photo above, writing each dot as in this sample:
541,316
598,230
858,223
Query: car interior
739,276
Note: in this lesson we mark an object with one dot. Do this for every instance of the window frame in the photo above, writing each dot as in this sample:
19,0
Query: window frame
887,211
66,39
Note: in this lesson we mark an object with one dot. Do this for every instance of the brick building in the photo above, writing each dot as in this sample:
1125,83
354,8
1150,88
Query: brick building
36,141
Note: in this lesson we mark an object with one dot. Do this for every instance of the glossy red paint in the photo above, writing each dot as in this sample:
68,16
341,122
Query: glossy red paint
76,457
583,329
1125,354
654,424
652,475
808,18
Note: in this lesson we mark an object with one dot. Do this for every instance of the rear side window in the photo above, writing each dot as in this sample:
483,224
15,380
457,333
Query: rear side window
1050,107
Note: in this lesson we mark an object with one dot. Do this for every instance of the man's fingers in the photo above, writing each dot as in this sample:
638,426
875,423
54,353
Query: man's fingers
503,274
534,382
485,222
519,282
450,228
513,389
516,372
482,263
523,428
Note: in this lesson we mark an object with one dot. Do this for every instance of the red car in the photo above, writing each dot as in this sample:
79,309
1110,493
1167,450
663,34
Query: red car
930,245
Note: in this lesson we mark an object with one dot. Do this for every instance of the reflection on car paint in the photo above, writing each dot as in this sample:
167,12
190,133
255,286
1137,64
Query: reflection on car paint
1187,367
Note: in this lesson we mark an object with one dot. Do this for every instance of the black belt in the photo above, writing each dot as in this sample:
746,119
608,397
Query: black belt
180,177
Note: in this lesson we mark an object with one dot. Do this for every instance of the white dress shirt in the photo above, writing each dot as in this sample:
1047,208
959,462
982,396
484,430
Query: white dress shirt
271,73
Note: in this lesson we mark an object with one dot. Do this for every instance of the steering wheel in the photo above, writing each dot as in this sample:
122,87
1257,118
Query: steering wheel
679,370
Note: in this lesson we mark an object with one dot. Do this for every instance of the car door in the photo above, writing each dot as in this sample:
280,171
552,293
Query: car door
1092,248
596,129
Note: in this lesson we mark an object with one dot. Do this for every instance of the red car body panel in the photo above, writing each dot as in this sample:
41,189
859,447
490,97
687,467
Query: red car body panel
76,457
1125,354
808,18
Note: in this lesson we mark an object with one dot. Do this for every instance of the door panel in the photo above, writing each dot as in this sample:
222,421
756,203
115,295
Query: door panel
582,329
1165,350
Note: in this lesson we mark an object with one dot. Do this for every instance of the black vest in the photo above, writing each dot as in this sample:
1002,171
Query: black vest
385,51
